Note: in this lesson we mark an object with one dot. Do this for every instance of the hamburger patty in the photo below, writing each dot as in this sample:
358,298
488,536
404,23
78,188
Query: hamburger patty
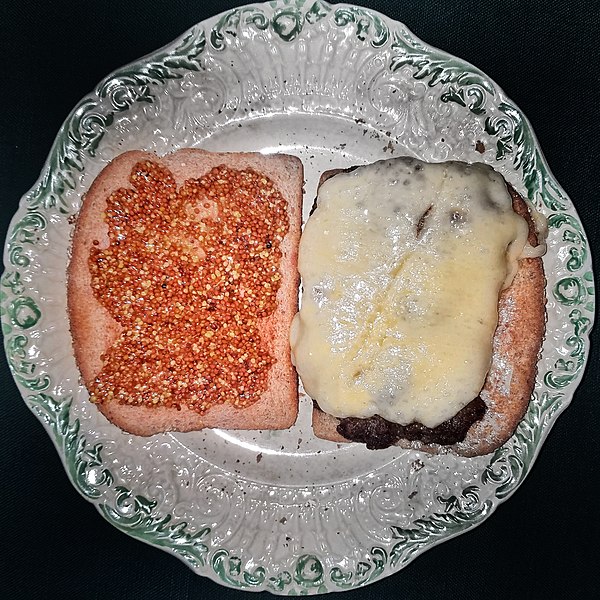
377,433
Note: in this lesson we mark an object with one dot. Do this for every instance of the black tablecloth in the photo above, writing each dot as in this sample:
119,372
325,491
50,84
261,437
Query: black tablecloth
540,543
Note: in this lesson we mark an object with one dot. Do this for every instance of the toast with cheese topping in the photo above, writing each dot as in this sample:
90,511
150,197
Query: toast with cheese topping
484,420
182,284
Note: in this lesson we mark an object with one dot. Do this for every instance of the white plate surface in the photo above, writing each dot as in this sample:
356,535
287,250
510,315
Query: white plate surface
337,86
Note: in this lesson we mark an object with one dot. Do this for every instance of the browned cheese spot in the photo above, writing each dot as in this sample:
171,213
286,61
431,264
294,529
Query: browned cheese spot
423,220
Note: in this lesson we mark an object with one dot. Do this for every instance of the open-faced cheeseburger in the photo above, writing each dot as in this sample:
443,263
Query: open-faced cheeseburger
423,306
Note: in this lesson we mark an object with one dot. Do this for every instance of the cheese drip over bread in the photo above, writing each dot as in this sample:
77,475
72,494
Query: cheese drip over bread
402,264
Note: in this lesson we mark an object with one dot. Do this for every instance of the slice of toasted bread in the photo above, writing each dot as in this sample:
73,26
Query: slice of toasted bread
94,330
516,347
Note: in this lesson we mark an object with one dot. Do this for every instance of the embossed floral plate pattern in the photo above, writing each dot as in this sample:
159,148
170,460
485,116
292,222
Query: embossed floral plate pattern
283,511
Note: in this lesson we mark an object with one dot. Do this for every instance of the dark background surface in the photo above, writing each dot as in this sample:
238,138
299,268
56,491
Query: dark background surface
542,543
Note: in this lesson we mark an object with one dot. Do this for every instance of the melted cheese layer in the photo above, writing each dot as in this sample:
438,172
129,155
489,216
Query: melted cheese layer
402,263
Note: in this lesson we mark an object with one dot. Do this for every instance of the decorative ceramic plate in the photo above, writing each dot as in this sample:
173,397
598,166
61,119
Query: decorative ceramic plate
282,510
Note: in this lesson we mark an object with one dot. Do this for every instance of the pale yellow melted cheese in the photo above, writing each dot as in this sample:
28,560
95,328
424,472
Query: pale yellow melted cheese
399,323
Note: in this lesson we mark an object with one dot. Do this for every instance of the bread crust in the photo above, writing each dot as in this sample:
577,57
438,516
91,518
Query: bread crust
93,329
516,348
